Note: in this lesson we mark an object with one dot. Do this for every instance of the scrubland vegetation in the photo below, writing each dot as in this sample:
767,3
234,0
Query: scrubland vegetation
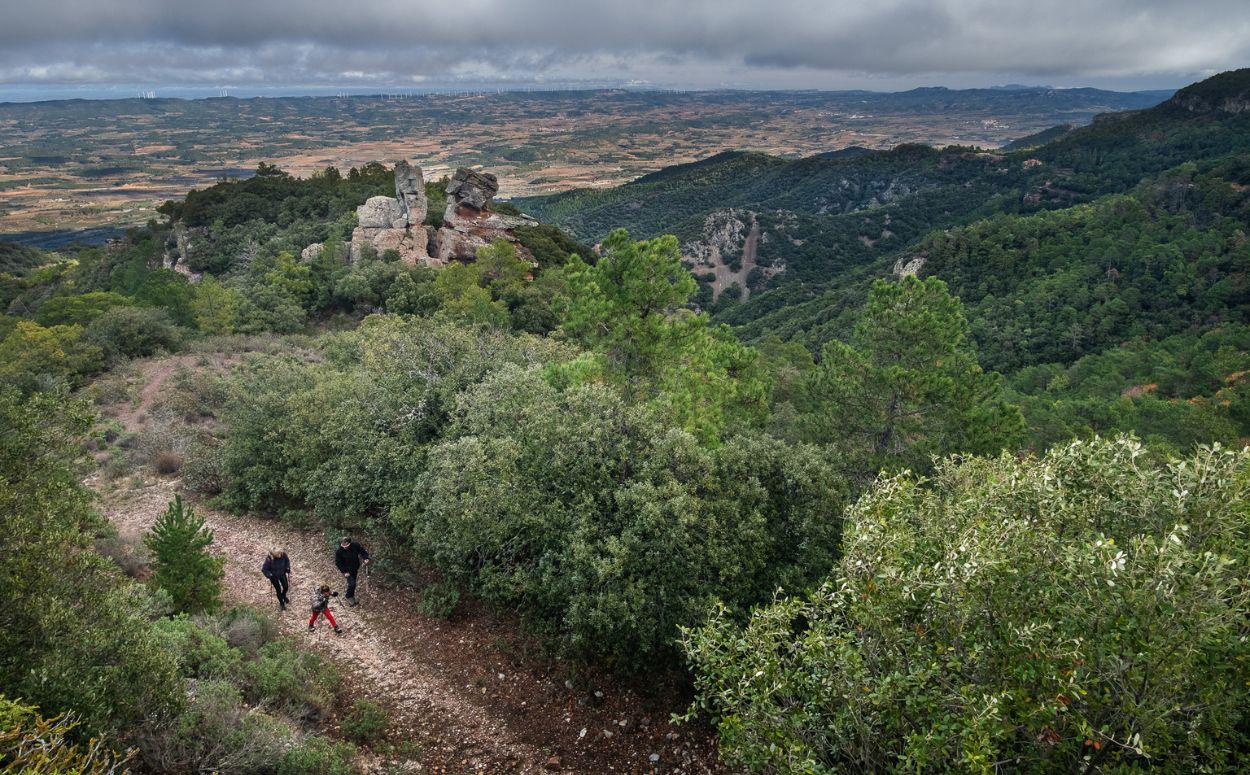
900,530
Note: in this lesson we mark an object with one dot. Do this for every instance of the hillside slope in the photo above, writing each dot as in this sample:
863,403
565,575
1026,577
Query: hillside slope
823,216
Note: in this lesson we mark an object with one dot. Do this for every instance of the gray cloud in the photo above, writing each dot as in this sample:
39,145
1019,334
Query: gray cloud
693,42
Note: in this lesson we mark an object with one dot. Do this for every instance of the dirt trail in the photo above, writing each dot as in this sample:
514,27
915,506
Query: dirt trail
454,687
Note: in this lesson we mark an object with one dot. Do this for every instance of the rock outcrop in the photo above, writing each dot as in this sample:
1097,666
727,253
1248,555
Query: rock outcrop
410,192
471,188
412,244
178,251
727,254
909,266
1226,93
381,212
469,223
385,223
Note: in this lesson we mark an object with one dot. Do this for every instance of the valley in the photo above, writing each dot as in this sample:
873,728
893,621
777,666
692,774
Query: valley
922,457
72,165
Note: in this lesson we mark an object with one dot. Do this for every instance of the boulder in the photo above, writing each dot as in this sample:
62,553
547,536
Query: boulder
312,252
410,192
381,212
471,188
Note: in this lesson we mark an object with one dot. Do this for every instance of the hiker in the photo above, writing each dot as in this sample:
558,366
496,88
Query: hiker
321,607
348,558
277,569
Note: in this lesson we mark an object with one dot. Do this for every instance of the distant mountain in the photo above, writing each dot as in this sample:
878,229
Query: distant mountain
819,229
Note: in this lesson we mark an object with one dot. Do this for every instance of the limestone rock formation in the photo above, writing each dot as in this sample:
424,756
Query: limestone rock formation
469,223
910,266
386,223
178,251
410,192
729,251
471,188
382,212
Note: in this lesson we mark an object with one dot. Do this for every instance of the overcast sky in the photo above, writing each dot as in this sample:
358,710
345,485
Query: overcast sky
415,44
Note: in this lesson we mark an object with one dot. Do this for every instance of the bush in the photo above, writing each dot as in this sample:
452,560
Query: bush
74,634
247,629
295,682
128,551
606,528
202,469
318,756
133,332
33,745
202,654
1081,611
215,734
366,723
116,464
439,600
167,463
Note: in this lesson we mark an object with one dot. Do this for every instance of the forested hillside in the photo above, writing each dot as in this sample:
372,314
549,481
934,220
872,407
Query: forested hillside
961,487
1125,232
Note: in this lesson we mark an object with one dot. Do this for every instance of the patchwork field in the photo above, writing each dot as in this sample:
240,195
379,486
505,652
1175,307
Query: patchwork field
77,164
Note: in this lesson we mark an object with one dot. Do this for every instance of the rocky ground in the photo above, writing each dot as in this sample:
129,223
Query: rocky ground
467,690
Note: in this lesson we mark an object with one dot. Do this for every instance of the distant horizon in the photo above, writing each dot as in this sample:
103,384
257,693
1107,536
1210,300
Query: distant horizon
30,93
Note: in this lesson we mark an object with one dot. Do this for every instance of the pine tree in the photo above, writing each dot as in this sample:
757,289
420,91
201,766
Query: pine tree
179,541
907,387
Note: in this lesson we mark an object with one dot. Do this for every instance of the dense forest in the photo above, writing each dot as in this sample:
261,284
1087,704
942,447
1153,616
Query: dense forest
987,513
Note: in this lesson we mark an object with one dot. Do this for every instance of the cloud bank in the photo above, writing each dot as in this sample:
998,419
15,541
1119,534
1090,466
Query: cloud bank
802,43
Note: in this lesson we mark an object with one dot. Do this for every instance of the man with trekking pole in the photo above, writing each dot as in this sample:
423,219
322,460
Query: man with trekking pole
349,558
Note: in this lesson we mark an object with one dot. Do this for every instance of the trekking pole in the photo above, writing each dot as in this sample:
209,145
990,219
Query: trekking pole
364,585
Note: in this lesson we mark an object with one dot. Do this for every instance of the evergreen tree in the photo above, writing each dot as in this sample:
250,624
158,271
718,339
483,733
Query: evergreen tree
179,541
629,309
907,386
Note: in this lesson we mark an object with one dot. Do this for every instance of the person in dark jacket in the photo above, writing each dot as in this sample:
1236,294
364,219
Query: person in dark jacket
349,558
277,569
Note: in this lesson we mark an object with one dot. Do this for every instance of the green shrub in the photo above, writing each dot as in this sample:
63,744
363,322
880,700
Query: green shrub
1083,611
133,332
216,733
438,600
318,756
366,723
289,680
201,652
74,634
202,469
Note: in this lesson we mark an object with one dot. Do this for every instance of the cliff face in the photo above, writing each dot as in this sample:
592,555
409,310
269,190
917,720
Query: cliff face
1227,93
